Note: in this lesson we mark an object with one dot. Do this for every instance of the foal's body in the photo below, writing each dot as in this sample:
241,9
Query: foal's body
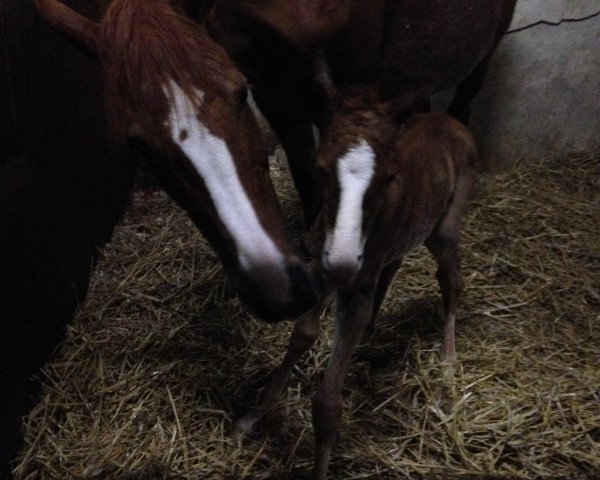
411,185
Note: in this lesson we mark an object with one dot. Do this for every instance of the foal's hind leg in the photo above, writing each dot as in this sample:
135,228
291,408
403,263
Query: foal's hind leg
443,243
304,335
444,247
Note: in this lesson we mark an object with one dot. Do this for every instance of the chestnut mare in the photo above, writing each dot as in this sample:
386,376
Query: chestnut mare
173,92
398,45
391,182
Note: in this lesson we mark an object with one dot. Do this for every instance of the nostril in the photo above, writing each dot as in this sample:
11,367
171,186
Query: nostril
359,261
301,280
325,260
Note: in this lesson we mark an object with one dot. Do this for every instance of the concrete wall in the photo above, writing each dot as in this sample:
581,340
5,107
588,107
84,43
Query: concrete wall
542,95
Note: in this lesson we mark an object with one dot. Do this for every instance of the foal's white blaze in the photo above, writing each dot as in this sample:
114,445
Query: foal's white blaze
213,161
355,170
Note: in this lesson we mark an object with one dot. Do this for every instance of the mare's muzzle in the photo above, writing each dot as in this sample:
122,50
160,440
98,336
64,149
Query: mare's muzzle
274,293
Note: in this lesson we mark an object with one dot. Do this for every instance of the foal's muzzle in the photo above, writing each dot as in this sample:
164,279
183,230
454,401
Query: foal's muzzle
340,273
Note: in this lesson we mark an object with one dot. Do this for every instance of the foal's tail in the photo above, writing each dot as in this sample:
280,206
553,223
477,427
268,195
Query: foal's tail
476,160
489,164
485,163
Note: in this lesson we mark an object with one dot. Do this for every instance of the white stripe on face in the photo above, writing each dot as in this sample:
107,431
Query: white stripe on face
213,161
355,170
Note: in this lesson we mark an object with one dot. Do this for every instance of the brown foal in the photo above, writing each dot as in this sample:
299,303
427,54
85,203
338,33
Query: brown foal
387,188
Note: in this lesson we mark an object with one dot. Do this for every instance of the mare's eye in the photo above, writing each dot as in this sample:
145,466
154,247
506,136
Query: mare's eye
241,97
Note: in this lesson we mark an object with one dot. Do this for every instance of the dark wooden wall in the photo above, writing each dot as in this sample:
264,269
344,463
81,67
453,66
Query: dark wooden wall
63,186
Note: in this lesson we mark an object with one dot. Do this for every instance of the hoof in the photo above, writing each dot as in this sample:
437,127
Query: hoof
244,426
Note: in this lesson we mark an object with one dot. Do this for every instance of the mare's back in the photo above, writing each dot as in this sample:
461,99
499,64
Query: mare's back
439,42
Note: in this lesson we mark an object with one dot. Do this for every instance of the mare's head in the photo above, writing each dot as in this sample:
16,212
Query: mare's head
357,172
172,92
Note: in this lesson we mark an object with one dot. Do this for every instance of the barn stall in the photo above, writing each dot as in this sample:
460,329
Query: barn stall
161,358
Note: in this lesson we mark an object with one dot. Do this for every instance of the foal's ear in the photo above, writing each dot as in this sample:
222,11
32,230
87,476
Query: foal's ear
322,75
80,30
403,107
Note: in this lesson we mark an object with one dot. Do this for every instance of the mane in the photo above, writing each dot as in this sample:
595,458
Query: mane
146,45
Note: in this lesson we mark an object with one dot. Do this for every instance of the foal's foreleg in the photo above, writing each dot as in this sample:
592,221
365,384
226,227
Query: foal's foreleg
353,315
383,284
304,335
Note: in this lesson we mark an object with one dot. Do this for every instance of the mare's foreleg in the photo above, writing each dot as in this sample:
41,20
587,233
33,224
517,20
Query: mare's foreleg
296,136
353,315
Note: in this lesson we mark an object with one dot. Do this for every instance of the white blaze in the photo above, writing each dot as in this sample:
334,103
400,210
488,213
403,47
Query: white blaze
355,170
213,161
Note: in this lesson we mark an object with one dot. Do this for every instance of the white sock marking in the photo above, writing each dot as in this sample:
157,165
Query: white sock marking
355,171
212,159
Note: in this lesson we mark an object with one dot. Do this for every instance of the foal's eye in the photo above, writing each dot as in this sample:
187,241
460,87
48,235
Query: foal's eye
388,178
322,171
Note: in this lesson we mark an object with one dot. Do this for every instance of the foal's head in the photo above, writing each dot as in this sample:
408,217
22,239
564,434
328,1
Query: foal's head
357,174
173,92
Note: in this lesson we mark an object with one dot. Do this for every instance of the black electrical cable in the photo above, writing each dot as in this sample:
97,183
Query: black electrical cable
553,24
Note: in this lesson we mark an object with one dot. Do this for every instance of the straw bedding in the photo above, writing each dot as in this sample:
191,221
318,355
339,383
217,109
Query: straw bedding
161,358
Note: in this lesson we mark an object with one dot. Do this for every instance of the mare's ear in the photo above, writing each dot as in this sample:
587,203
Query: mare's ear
225,25
80,30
